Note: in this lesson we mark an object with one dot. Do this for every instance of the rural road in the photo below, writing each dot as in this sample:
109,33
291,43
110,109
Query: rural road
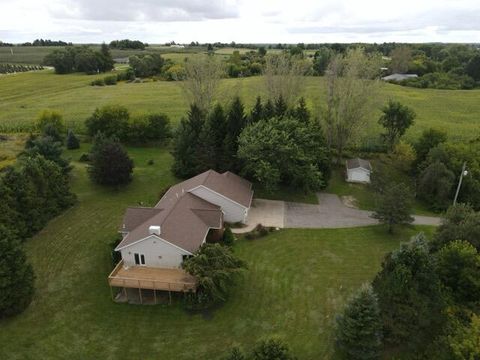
329,213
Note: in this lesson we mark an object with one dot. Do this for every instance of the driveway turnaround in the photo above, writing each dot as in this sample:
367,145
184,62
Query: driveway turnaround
329,213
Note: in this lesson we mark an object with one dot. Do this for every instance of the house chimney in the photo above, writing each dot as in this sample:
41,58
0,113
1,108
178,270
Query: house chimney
154,230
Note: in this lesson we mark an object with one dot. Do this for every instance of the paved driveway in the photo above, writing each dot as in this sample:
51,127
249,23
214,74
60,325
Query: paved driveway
329,213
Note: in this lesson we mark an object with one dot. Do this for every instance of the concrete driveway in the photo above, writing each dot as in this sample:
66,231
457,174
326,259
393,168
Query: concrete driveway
329,213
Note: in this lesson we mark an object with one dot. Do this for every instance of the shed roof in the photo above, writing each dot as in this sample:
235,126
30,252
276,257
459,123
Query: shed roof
359,163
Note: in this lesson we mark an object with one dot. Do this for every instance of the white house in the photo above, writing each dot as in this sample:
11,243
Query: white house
358,170
162,236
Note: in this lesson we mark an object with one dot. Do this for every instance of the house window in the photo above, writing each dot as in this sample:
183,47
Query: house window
139,259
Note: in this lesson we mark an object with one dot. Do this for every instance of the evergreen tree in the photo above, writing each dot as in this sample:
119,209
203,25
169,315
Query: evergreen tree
271,349
72,141
110,163
268,110
394,206
280,107
257,111
359,328
187,149
212,138
49,148
301,113
236,121
410,295
16,276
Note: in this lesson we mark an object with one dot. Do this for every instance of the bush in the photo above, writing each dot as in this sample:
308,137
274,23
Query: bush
50,119
84,157
98,82
228,237
110,80
111,120
258,232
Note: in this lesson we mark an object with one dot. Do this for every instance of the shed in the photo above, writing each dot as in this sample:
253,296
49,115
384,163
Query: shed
358,170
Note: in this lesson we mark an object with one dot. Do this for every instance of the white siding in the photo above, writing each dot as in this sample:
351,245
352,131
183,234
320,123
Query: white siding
158,253
358,175
232,211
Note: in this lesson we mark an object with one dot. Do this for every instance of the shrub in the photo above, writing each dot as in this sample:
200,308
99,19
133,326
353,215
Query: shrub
228,237
98,82
150,162
110,80
50,118
111,120
84,157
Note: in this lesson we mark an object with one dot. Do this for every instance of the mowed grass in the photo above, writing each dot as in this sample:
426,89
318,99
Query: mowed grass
23,96
297,280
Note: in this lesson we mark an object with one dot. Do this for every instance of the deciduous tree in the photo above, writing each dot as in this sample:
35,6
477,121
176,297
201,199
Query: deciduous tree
396,119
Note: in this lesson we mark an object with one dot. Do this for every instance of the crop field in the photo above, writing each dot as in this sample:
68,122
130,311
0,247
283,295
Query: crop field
296,281
23,96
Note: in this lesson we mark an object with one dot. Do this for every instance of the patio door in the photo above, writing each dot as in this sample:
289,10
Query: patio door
139,259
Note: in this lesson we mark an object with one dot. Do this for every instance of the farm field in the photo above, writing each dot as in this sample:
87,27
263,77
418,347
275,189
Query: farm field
22,96
297,280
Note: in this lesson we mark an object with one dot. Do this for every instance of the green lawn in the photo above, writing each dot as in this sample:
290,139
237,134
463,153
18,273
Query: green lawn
297,280
23,96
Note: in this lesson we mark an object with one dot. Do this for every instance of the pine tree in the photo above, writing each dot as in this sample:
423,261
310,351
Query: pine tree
72,141
257,111
359,328
268,110
212,138
187,149
110,163
16,276
280,107
236,121
301,112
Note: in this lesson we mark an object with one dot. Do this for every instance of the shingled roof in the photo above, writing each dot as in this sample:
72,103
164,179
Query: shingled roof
183,217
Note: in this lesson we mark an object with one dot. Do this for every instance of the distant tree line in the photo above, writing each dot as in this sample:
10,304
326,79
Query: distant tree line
80,59
47,42
32,192
127,44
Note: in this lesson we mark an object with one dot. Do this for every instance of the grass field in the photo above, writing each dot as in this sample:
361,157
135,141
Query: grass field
297,280
23,96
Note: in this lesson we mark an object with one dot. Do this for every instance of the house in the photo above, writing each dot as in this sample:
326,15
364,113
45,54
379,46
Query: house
399,77
157,240
358,170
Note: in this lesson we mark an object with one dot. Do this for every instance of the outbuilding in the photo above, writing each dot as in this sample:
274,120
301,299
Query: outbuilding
358,171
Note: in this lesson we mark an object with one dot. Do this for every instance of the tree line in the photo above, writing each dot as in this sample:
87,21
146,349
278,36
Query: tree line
425,299
33,191
80,59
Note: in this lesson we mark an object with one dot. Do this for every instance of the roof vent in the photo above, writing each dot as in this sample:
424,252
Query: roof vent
154,230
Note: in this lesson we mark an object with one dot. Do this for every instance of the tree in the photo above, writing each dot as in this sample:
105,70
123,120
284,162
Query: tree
284,77
268,110
149,128
203,74
401,57
284,151
72,141
280,106
110,120
359,328
458,267
410,296
257,112
16,276
228,237
110,164
429,139
236,122
50,119
216,269
396,119
50,149
403,156
271,349
146,65
473,67
301,112
235,354
394,206
352,83
321,59
460,222
435,185
187,146
212,139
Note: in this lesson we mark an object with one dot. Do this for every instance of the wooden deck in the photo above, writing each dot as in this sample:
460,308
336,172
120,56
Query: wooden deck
143,277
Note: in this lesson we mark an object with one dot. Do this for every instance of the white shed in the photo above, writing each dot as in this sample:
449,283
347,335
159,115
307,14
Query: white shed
358,170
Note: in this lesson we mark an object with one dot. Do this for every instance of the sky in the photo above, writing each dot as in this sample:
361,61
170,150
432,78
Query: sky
242,21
